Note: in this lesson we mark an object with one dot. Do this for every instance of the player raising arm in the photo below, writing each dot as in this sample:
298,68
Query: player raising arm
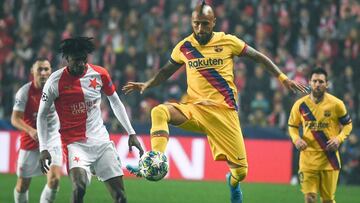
76,91
212,94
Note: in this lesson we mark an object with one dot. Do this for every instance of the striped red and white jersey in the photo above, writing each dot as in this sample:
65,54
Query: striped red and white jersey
27,100
77,102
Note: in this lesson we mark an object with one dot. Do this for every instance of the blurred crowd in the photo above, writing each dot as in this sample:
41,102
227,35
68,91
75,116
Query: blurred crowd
134,38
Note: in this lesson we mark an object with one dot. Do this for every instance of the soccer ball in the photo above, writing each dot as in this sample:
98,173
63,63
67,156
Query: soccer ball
153,165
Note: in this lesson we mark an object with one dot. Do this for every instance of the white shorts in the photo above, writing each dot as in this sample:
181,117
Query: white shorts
101,159
28,161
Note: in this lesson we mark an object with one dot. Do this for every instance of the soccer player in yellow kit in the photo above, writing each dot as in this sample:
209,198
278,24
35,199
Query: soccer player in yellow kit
325,124
211,107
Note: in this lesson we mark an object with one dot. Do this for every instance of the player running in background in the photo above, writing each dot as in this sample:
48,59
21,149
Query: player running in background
321,116
211,107
23,117
76,91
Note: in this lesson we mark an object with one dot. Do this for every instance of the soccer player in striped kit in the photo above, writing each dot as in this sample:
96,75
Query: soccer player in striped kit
23,117
76,92
211,107
325,125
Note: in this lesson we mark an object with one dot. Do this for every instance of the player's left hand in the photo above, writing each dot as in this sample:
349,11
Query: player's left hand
45,161
333,144
295,86
133,141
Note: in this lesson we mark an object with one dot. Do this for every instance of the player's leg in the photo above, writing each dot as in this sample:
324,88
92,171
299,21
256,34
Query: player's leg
226,143
21,191
175,114
53,176
79,181
27,167
108,169
116,188
309,181
52,186
161,115
328,185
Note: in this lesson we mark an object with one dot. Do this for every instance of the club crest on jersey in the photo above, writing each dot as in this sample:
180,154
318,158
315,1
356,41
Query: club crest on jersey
327,113
94,83
44,97
218,48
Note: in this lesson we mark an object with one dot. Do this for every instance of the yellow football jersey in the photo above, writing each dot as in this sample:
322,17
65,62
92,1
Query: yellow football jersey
319,122
210,68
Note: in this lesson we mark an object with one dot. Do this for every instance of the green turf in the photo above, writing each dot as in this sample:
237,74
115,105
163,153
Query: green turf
141,191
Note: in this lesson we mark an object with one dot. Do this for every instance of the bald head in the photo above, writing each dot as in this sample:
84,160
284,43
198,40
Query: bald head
203,22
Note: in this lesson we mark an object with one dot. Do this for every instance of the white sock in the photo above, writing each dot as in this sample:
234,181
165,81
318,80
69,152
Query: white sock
48,195
21,197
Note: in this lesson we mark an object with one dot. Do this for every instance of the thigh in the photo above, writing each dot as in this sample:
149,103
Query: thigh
184,116
108,164
28,163
310,181
329,179
80,156
224,134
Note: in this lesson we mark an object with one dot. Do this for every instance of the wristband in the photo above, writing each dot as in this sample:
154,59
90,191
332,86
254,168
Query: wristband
282,77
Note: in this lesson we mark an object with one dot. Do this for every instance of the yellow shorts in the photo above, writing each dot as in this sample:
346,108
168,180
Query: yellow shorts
222,127
319,181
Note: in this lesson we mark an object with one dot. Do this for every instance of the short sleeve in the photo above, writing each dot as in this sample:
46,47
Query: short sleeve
343,116
21,98
108,86
175,57
237,45
294,118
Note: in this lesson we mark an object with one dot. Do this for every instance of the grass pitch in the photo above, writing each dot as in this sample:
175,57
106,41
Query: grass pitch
173,191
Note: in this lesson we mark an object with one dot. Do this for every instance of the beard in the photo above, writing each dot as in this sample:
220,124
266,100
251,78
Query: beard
318,93
76,70
204,38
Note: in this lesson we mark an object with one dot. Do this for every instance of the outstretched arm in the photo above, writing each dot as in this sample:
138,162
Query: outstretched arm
273,69
165,73
120,113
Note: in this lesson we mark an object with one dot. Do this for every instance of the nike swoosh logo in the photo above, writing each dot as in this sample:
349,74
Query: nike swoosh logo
305,114
188,52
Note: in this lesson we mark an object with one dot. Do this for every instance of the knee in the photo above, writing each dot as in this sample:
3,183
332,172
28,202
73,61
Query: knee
53,181
79,189
23,184
239,173
160,111
310,198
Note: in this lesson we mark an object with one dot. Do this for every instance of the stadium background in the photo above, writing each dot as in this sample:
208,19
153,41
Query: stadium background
134,38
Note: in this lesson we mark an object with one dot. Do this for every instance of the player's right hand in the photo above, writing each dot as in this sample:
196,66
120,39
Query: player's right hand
45,161
33,134
132,86
300,144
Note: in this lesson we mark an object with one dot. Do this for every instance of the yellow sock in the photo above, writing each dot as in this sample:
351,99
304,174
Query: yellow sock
159,143
237,175
160,117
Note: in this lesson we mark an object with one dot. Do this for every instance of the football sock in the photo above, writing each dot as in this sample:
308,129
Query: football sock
21,197
48,195
160,117
237,175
